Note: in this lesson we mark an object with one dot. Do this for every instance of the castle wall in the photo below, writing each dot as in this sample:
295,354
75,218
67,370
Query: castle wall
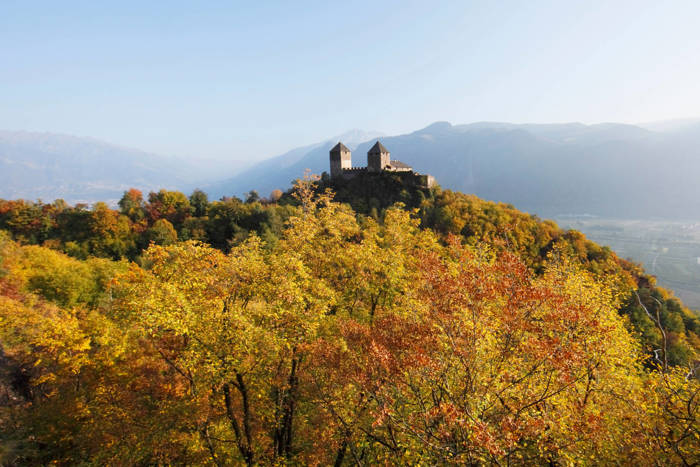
352,172
427,181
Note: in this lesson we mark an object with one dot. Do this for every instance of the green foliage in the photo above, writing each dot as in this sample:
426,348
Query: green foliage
252,197
63,280
166,217
161,232
172,206
199,202
132,205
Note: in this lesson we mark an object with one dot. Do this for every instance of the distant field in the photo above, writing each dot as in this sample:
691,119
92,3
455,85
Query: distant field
668,250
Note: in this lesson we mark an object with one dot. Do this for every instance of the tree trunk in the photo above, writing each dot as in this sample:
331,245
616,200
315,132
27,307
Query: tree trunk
284,431
243,440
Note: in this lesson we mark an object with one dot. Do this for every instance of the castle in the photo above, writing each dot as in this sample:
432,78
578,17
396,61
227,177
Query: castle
378,161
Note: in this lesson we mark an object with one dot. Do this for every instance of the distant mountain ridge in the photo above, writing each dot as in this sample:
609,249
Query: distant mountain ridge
48,166
607,169
279,172
77,169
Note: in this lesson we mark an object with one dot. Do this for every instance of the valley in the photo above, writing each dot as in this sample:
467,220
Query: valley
670,251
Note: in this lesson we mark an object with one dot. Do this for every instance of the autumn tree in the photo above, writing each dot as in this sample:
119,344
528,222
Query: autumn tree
172,206
199,203
161,232
275,195
132,205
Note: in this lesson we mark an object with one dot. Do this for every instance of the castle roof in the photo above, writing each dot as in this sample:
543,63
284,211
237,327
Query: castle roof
340,147
400,165
378,148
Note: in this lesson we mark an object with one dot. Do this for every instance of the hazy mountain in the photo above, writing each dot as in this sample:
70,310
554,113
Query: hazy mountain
279,172
608,169
50,166
677,125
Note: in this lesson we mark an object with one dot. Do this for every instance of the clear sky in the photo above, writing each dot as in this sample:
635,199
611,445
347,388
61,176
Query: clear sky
247,80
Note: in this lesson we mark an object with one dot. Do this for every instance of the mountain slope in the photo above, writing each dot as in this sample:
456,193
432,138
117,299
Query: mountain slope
279,172
49,166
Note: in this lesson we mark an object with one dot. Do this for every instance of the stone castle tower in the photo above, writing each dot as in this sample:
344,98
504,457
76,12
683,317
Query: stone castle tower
378,158
341,158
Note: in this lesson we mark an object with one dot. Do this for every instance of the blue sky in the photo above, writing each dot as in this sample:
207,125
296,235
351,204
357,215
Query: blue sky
248,80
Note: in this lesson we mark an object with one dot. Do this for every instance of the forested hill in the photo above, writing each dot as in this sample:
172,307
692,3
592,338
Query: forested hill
166,217
394,324
613,170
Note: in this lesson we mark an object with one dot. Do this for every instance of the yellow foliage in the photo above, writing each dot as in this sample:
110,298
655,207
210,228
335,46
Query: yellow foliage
346,341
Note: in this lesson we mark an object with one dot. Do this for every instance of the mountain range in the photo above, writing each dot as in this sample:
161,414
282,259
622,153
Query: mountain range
607,169
49,166
610,169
